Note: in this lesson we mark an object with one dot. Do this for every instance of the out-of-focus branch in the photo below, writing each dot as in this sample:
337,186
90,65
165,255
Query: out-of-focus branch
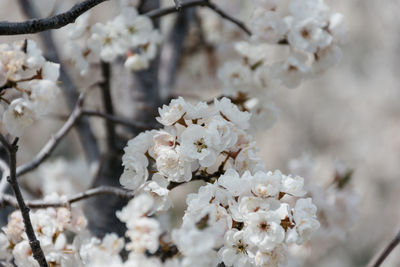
378,260
204,3
35,25
86,135
37,252
55,22
119,120
42,204
171,52
105,87
54,140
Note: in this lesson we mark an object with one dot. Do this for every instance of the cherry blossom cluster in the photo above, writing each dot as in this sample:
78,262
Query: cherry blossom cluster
52,227
25,73
243,216
128,35
309,34
194,141
251,219
337,203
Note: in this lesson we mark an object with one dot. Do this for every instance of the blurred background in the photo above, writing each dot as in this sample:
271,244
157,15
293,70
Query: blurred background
350,114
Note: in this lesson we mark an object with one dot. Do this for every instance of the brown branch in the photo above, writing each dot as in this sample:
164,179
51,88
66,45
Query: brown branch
53,22
204,3
37,252
385,253
42,204
54,140
105,87
200,177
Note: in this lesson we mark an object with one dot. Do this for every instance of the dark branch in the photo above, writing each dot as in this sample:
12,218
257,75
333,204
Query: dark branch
12,179
42,204
54,22
385,253
60,20
204,3
105,87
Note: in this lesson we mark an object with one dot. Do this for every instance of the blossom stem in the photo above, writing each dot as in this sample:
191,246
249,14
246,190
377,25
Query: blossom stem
37,252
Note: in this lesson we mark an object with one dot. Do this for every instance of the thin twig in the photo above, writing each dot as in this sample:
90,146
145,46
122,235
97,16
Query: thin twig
42,204
53,22
54,140
205,3
199,177
385,253
86,136
37,251
105,87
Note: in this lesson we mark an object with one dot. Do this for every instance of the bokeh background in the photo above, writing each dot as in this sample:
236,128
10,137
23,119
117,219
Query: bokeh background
350,114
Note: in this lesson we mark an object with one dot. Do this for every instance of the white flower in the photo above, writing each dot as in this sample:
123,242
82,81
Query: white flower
269,5
137,207
4,247
197,144
267,184
78,28
136,28
304,215
269,27
43,92
309,36
137,62
227,136
302,9
34,58
293,186
158,191
170,114
234,183
18,116
251,204
105,41
263,230
337,28
144,234
192,241
235,252
276,257
236,77
231,113
23,255
171,165
77,56
293,70
135,171
326,58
